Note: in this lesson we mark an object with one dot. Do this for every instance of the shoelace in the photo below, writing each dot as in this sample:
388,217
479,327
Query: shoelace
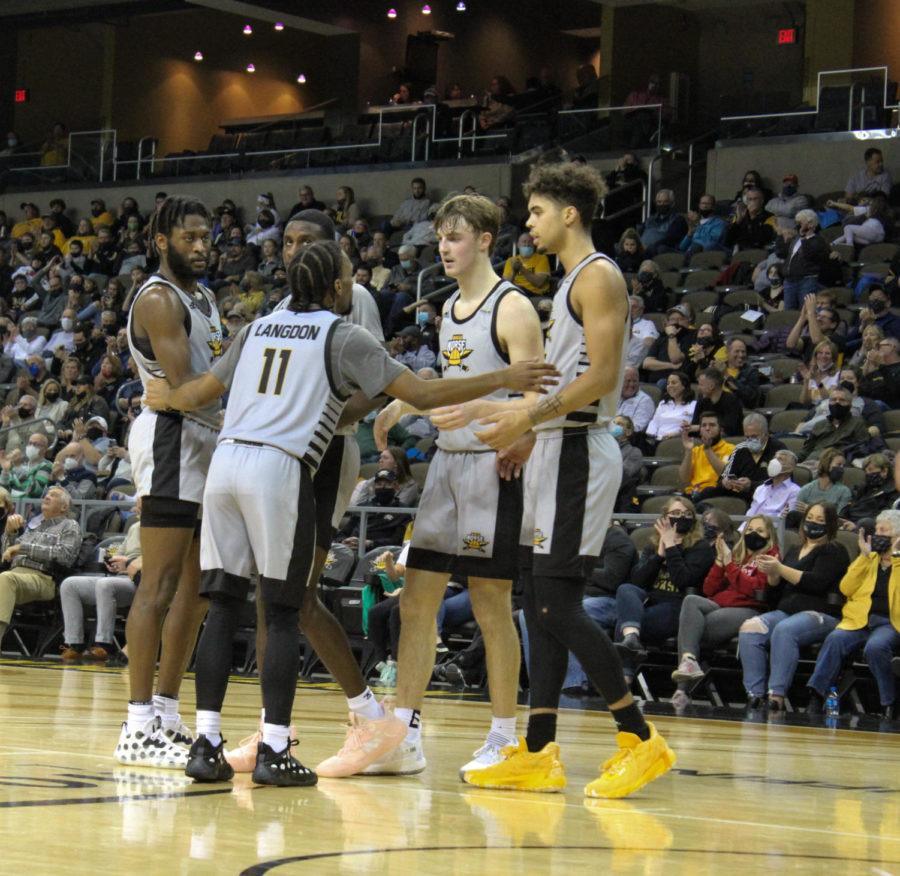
619,761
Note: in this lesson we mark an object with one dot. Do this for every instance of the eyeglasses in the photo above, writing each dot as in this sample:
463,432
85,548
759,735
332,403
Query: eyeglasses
680,515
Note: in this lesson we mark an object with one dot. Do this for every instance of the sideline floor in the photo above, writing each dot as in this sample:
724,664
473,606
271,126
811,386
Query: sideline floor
744,797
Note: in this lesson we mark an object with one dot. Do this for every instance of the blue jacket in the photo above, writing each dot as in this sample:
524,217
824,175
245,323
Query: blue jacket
708,235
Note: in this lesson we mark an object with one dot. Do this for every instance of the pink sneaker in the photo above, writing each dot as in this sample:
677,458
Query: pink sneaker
243,758
366,742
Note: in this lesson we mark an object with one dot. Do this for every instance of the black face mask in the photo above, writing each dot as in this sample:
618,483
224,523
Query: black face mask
25,413
384,495
51,396
877,306
846,384
755,541
875,479
710,532
645,278
682,525
881,543
836,474
663,209
838,412
94,433
814,530
705,213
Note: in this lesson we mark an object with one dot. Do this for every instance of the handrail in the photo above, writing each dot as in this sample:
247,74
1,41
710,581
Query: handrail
415,131
642,205
431,269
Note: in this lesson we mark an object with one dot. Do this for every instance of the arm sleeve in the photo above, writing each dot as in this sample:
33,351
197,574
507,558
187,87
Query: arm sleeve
714,581
360,362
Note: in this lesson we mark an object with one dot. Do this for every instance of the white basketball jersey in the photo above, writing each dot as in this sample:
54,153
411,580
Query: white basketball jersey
566,348
283,392
468,347
204,331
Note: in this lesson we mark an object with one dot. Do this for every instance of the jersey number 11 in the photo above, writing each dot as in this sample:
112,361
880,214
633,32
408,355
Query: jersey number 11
269,355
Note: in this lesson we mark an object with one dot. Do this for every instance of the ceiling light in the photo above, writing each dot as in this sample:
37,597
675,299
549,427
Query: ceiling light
279,25
198,56
392,13
247,30
460,7
426,10
251,68
302,78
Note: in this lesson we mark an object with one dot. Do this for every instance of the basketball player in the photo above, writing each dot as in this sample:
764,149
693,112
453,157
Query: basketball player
571,480
173,332
290,374
371,730
469,518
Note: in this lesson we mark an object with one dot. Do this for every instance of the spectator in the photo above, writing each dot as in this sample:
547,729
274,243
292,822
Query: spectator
871,336
748,466
49,403
741,378
374,257
870,617
270,264
266,227
806,260
648,285
93,438
27,478
789,203
870,225
676,407
634,402
368,451
882,373
814,325
774,497
222,228
236,261
770,293
703,462
108,379
733,592
307,201
876,312
663,230
877,494
622,429
69,472
751,180
827,487
24,342
707,350
642,328
55,149
529,270
715,521
753,226
669,351
400,290
106,253
83,406
704,229
808,574
382,529
426,320
629,251
413,209
499,106
872,178
396,460
69,372
251,291
359,232
676,559
713,397
412,349
37,551
346,210
642,117
840,429
821,374
100,216
85,236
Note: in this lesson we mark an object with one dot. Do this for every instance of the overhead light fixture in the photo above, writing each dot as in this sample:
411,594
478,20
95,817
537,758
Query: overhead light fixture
279,25
302,78
247,30
426,10
251,68
392,13
460,7
198,56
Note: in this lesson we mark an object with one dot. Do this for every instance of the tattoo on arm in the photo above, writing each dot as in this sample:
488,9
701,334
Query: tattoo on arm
545,409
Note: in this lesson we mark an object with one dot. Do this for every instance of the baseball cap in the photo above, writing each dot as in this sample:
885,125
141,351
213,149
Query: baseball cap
790,177
410,331
385,474
99,421
679,308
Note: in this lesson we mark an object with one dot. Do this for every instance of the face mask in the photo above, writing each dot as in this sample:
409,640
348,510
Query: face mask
67,322
94,433
874,479
70,462
881,543
616,430
839,412
755,541
682,525
406,264
32,452
704,212
710,532
526,251
814,530
384,495
846,384
788,191
836,474
370,417
775,468
645,278
25,413
12,142
877,305
663,209
422,318
34,370
51,396
754,445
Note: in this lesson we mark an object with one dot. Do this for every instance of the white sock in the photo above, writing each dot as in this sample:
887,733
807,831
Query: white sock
505,727
138,715
410,717
366,706
167,710
276,736
209,724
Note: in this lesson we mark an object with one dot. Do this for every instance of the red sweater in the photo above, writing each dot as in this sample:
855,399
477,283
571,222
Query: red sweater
732,586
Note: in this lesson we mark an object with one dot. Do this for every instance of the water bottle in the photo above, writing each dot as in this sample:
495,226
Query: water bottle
832,704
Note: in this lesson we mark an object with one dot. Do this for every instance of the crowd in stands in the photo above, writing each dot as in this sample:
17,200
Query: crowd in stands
763,370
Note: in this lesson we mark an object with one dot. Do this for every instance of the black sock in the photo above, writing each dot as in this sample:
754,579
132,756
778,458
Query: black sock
630,720
541,730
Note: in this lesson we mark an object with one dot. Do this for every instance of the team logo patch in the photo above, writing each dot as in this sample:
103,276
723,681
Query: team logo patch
474,541
215,345
457,351
539,538
330,560
547,330
378,565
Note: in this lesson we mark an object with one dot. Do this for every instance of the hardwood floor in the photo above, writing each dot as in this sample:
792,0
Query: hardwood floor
744,797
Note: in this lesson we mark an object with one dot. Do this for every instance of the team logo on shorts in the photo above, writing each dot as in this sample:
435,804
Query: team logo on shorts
457,350
539,538
474,541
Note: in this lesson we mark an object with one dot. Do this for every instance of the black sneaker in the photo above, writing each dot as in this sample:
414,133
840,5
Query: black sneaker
453,674
281,769
631,650
207,762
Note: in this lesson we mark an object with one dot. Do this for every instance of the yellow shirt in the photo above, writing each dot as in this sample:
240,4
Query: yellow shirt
858,585
105,218
26,225
88,244
703,475
537,264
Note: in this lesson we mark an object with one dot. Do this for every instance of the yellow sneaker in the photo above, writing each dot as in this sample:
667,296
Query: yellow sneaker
634,765
522,770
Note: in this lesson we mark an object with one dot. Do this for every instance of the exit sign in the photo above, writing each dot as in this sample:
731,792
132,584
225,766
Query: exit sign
20,95
788,35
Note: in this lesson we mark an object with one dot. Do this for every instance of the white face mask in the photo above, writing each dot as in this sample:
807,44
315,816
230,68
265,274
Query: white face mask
67,322
775,468
32,452
70,462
